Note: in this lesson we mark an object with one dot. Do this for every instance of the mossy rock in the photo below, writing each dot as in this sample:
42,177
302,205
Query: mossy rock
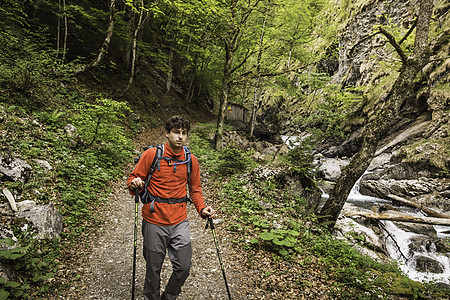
434,152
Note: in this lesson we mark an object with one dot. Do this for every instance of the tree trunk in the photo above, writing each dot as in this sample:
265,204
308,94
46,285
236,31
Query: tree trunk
387,117
232,42
134,49
170,70
400,218
65,32
255,107
227,71
257,94
106,42
109,33
427,210
58,33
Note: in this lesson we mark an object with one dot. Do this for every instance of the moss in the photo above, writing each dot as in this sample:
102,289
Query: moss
434,152
441,70
401,285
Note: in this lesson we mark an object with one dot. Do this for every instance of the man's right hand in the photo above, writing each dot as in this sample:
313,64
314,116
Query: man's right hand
136,183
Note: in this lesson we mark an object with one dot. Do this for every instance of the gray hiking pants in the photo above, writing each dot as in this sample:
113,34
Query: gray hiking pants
177,241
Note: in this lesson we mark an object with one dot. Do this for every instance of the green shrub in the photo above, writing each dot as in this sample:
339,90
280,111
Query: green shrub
201,145
300,157
231,161
99,122
29,75
35,263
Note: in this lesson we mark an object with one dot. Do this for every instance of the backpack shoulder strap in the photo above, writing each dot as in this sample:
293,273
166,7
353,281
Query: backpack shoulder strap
155,164
158,156
187,157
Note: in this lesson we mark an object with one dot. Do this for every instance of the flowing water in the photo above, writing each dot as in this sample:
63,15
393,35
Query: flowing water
399,242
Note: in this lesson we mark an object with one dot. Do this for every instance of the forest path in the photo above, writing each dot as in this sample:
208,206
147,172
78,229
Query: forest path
106,271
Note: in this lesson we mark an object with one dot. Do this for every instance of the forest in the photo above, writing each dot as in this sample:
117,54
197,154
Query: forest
335,94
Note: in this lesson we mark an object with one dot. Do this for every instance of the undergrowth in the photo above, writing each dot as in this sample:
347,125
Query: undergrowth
82,165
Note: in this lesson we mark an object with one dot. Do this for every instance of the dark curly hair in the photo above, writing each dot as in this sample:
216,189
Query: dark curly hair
177,122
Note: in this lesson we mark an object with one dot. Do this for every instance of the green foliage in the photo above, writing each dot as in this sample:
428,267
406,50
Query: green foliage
51,117
231,161
282,240
331,111
225,162
265,216
77,182
29,72
200,141
99,121
35,262
12,253
300,157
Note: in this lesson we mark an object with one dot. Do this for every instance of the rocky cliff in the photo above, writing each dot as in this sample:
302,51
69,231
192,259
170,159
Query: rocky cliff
414,160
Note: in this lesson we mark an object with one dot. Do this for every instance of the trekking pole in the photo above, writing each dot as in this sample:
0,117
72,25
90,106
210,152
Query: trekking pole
136,200
211,224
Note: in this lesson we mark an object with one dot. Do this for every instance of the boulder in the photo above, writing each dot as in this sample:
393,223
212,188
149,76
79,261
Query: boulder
383,187
379,161
6,233
25,205
45,219
346,149
45,165
14,169
424,229
72,132
428,265
349,230
265,205
330,169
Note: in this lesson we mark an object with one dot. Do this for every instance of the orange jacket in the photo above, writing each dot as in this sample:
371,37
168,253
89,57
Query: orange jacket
167,183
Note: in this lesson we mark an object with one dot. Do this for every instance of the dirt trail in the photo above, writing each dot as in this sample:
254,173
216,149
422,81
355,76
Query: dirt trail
106,273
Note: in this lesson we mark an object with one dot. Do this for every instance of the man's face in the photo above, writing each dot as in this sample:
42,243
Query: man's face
177,137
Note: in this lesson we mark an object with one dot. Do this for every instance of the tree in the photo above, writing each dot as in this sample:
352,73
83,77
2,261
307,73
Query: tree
388,115
107,41
62,11
257,92
237,15
290,26
134,48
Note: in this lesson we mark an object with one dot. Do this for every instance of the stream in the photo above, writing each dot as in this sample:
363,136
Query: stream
415,253
400,247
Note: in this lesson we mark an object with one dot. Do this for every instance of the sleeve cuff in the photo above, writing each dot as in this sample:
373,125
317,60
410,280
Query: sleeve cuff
201,213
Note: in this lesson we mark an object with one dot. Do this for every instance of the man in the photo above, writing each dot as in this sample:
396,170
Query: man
165,224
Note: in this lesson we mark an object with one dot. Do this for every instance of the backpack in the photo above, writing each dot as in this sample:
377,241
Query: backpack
144,195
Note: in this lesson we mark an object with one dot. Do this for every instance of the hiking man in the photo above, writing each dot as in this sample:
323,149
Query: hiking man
165,224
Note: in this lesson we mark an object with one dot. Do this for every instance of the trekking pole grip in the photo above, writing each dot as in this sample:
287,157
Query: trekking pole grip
136,195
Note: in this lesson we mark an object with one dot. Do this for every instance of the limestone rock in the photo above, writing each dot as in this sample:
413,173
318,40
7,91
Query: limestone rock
14,169
45,219
330,169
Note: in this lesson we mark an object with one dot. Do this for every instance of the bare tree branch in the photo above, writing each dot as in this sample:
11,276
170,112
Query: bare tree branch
394,43
413,26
